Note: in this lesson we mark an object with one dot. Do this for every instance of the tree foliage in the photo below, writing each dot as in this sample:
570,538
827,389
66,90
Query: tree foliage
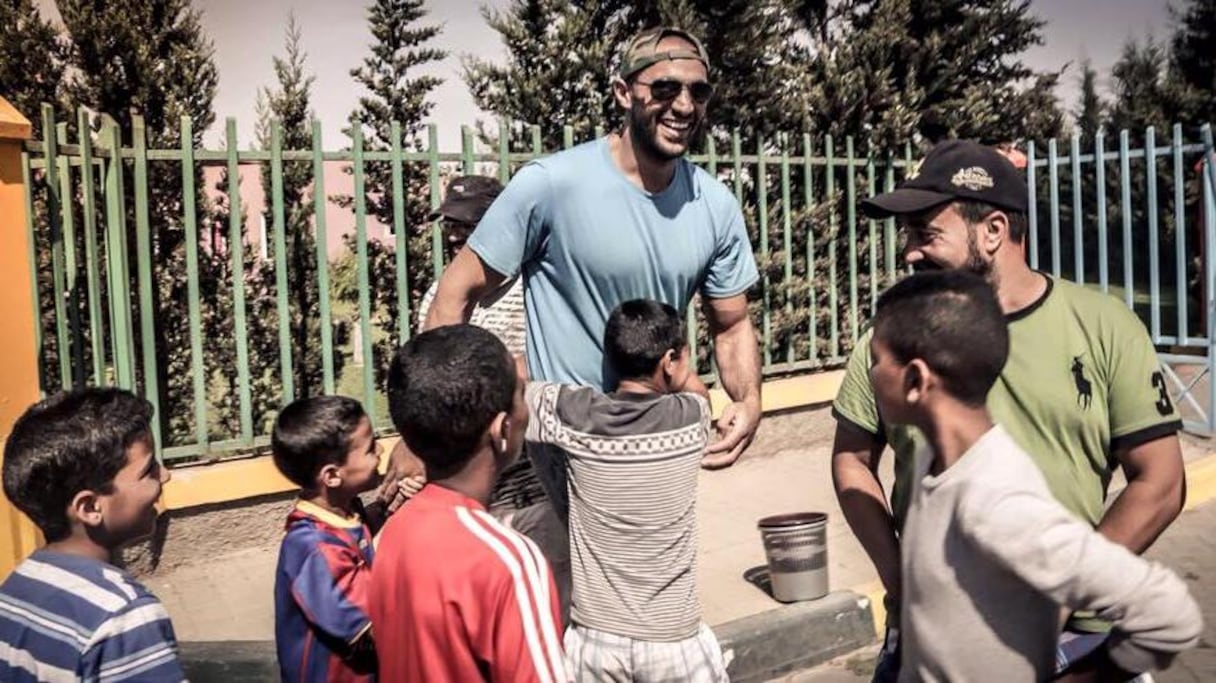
403,45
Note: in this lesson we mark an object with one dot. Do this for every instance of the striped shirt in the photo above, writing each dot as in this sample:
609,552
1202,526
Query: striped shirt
632,461
68,618
457,597
502,312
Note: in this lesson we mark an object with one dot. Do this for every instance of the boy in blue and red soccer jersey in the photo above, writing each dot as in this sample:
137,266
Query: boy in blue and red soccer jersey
321,607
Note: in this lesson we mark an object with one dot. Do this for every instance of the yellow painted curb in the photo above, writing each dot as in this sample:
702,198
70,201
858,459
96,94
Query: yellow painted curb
1200,481
874,592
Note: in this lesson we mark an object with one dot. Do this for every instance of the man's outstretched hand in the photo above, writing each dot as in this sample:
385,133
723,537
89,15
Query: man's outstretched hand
736,430
403,479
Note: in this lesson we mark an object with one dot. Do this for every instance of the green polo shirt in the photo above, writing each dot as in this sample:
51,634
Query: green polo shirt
1082,382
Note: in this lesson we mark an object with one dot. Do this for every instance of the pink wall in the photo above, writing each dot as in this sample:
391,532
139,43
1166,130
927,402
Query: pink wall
255,203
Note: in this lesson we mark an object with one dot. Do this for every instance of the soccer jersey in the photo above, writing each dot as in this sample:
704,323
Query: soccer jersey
321,596
72,618
460,597
633,461
1082,382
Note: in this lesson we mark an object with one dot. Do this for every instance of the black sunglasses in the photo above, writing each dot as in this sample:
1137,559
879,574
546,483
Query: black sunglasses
667,89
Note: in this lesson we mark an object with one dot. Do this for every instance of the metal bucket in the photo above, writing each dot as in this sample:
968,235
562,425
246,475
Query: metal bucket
797,551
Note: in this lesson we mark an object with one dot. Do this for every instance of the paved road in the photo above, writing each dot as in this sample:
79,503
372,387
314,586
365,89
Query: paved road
1188,547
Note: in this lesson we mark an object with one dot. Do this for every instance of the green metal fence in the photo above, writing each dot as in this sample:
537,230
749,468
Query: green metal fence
103,291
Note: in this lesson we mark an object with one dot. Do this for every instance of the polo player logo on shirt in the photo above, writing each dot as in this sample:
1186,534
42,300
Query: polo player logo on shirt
1085,390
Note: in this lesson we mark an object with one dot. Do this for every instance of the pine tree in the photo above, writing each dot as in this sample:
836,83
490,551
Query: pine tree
563,57
396,93
893,69
557,71
289,105
1193,57
151,56
32,60
1091,110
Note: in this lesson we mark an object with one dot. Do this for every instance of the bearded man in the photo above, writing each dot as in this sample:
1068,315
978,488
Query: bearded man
623,217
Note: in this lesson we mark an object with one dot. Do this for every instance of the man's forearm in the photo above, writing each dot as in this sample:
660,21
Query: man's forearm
1141,513
449,308
738,359
864,506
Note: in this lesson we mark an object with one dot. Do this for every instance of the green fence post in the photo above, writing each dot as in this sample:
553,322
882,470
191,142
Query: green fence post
50,146
362,277
850,212
27,183
788,241
236,250
762,214
504,152
466,151
400,239
72,276
833,230
190,218
1078,216
1053,174
888,184
808,188
567,137
736,152
1032,216
1125,200
1180,237
1100,184
872,228
88,179
116,253
432,135
320,202
1154,248
143,257
280,261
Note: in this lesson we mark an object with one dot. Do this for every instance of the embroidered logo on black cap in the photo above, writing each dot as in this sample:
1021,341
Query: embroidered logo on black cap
975,178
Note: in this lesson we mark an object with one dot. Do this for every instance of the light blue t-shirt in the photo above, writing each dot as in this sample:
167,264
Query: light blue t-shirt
587,240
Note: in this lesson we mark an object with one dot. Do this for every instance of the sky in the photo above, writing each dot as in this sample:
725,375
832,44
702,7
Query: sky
247,34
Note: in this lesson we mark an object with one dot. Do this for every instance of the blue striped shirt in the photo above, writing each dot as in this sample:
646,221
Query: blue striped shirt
69,618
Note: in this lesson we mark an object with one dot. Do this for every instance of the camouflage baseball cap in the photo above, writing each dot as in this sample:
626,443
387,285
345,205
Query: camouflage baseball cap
643,50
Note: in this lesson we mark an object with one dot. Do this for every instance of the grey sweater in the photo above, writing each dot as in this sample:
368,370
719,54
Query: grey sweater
988,558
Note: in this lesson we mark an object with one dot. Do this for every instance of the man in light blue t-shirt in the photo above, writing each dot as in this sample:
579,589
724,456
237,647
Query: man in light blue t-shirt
623,217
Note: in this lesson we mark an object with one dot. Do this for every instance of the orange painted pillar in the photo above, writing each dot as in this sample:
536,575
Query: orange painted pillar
18,353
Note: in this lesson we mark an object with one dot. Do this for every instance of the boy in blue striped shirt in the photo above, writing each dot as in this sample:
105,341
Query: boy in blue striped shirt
81,465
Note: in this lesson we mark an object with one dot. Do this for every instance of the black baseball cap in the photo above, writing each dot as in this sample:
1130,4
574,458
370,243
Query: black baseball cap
467,198
954,169
643,50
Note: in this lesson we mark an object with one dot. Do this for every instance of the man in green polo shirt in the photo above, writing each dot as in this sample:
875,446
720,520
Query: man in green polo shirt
1082,391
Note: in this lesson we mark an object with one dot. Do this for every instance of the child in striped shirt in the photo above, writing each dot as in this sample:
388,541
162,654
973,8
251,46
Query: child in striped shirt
81,465
633,457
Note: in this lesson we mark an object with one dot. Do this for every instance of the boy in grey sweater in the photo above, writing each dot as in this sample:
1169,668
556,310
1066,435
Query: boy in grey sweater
988,555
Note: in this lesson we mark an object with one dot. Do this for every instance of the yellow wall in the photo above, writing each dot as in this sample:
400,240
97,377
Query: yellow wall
18,353
237,479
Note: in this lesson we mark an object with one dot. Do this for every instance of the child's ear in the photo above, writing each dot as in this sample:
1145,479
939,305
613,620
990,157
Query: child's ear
330,476
670,358
916,381
500,433
86,507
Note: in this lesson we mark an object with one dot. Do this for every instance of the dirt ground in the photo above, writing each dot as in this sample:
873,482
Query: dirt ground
185,538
